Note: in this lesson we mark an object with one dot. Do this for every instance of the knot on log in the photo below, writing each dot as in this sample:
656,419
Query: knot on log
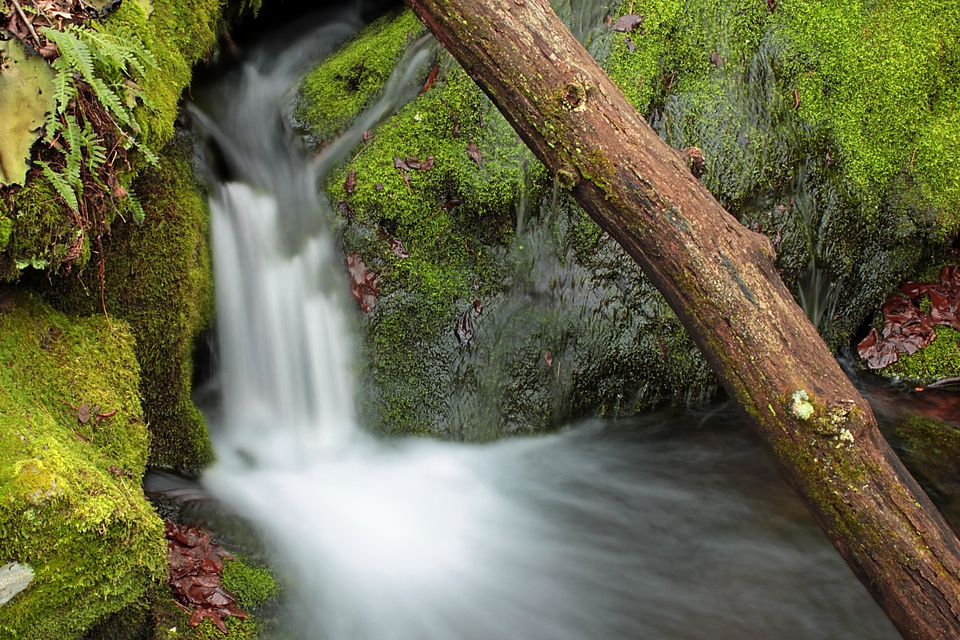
574,96
567,177
695,161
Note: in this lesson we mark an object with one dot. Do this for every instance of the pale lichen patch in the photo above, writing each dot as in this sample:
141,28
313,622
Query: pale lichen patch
801,406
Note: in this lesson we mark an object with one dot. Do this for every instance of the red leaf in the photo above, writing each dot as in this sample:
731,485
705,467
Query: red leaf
351,182
474,152
431,78
628,22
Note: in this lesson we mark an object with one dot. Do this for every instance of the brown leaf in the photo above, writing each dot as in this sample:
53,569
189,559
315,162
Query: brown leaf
628,22
474,152
477,307
400,163
464,328
716,60
365,135
363,283
455,130
396,247
548,358
427,164
83,413
351,182
630,46
431,78
412,162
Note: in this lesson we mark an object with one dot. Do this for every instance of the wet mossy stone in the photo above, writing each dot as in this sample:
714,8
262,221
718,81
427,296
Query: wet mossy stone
158,278
505,312
829,126
73,447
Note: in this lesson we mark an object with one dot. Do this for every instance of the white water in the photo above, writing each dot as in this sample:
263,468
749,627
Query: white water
669,527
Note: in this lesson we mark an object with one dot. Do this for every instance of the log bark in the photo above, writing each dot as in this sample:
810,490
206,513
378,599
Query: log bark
720,279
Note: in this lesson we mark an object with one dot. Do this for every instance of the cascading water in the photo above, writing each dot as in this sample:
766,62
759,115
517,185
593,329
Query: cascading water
655,529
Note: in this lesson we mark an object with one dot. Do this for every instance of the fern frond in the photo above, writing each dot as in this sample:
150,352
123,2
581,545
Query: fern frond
73,50
121,51
64,87
135,207
60,184
109,99
152,158
73,138
96,153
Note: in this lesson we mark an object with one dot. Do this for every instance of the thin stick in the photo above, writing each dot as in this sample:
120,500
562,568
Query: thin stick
29,24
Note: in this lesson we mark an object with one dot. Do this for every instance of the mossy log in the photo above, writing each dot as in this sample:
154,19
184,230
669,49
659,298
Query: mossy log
720,279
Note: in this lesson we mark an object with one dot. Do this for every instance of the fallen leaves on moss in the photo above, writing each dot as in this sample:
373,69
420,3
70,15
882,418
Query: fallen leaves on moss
196,565
906,327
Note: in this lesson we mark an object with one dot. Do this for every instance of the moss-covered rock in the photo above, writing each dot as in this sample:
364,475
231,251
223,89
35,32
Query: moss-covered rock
554,320
930,449
158,279
828,125
73,447
44,232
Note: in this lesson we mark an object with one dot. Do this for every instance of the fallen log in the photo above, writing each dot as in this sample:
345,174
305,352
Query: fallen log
720,279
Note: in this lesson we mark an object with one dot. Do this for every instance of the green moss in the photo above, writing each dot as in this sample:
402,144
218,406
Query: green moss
451,247
173,623
344,84
251,585
71,503
158,279
828,125
939,359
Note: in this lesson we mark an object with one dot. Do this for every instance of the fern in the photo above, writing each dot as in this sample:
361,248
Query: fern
60,183
108,63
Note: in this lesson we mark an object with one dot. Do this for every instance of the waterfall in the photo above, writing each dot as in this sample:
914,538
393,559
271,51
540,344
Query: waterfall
655,528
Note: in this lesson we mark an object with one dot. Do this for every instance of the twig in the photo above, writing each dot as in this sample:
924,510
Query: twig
29,24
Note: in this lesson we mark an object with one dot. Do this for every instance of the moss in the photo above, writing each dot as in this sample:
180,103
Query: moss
939,359
827,125
340,88
158,279
173,623
450,246
71,505
252,585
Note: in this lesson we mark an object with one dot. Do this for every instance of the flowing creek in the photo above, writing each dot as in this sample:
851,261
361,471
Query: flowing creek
673,525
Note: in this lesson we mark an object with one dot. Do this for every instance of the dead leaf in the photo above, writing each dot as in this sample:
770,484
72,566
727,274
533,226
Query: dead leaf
431,78
83,413
630,46
465,327
427,164
363,283
351,182
548,358
474,152
627,22
396,247
716,60
400,163
477,307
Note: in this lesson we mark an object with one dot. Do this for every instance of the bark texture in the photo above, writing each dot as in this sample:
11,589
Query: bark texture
721,281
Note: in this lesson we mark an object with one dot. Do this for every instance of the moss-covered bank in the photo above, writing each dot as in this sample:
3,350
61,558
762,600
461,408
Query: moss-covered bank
502,309
42,230
73,446
158,279
828,125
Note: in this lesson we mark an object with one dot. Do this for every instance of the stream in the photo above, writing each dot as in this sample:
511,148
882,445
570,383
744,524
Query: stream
669,526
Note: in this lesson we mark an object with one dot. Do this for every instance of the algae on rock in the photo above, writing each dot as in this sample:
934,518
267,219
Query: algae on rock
73,446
